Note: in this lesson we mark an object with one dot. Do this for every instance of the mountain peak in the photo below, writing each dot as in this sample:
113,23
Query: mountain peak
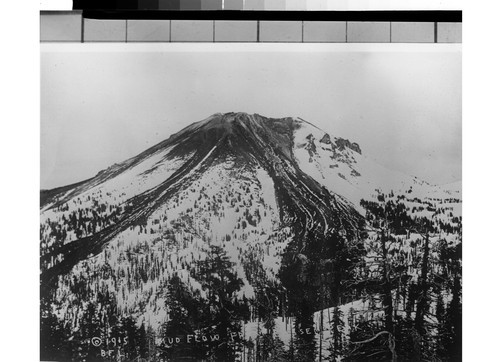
227,119
219,121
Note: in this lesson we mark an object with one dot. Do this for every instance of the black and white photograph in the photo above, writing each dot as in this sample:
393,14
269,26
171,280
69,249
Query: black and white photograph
250,202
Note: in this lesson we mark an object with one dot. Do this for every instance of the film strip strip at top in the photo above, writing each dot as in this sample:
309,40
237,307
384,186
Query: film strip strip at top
295,27
268,5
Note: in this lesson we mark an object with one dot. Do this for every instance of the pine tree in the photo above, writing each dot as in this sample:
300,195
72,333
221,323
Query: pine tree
53,335
184,315
337,331
305,344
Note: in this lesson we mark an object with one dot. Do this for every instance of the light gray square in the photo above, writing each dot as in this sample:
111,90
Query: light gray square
449,32
280,31
236,31
192,31
274,5
325,31
253,5
104,30
61,27
296,5
148,30
316,5
368,32
402,32
233,4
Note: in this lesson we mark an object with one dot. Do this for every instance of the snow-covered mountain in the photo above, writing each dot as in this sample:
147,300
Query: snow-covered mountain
268,197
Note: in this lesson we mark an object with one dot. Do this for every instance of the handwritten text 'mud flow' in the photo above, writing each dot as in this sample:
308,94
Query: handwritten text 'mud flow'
198,338
202,338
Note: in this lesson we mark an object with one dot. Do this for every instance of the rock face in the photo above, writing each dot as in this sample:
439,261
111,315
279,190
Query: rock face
343,144
326,139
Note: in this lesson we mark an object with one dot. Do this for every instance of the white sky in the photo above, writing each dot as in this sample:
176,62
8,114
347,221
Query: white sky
104,103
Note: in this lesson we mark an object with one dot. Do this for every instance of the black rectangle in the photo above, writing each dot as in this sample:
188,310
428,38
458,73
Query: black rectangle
454,16
169,5
148,5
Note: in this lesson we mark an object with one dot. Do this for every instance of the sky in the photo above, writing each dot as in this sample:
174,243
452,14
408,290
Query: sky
104,103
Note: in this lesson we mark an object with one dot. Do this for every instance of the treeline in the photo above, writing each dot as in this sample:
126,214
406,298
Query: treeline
73,225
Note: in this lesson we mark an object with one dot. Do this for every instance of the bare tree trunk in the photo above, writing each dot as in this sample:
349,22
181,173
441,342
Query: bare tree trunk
321,336
422,302
387,299
392,343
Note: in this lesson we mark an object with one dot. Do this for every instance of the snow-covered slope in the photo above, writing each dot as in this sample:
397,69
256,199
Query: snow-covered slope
340,166
266,194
